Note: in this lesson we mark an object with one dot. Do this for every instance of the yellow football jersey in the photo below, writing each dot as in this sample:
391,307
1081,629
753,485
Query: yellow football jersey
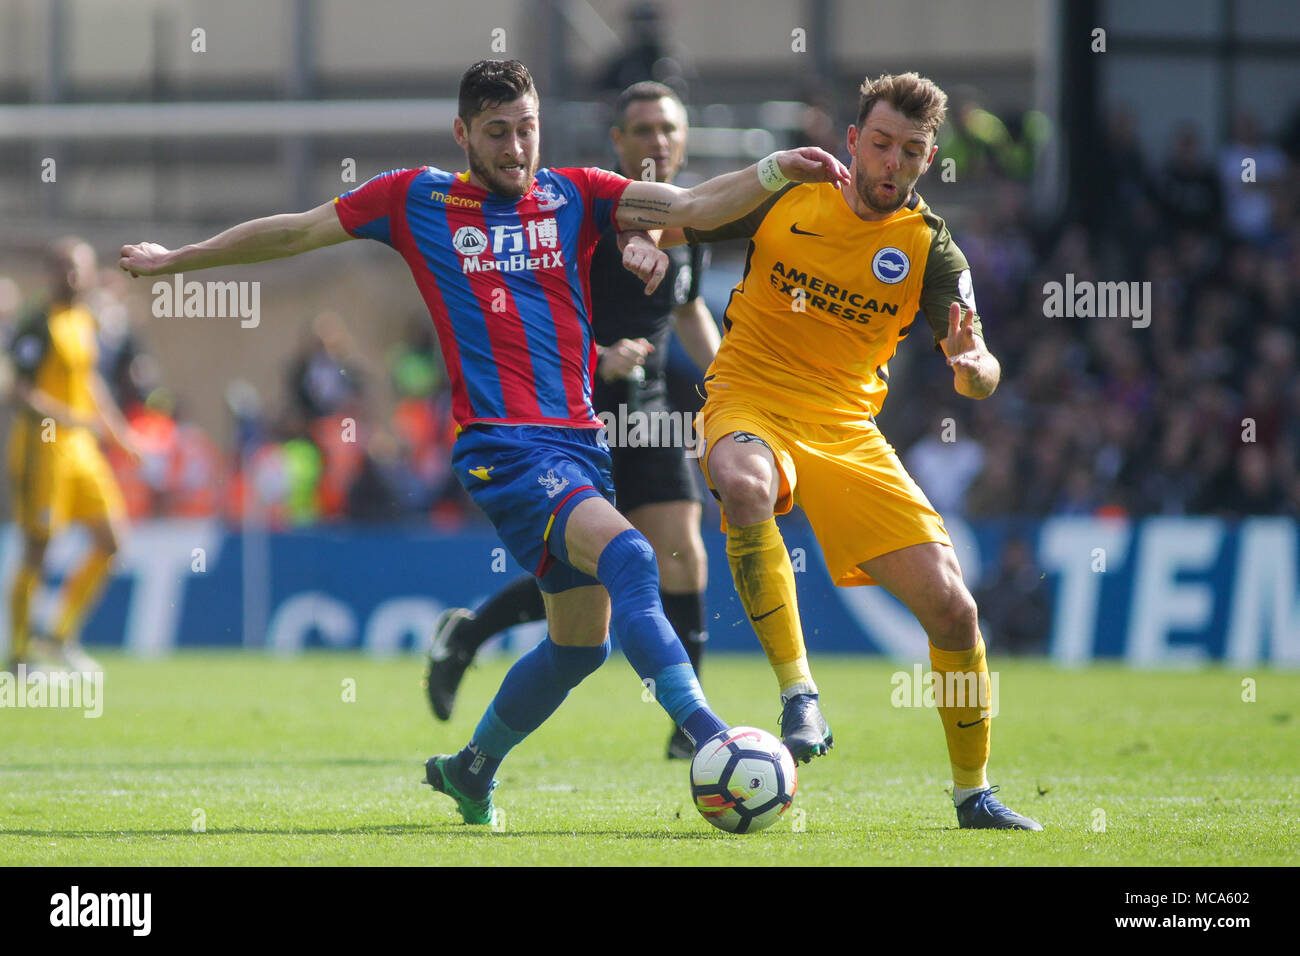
56,352
825,299
58,474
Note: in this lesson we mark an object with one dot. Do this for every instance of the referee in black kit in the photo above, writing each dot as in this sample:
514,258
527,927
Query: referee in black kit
654,480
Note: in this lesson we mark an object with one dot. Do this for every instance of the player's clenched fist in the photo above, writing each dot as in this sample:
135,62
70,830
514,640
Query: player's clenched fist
144,259
646,261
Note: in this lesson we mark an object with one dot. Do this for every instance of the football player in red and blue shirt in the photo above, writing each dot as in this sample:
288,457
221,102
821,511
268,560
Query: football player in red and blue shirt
501,254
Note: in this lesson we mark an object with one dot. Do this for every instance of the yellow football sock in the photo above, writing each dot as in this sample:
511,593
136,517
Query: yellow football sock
79,591
20,603
764,580
963,695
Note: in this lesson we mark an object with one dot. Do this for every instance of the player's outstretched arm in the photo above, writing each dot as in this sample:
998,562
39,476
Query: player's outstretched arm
976,372
724,198
272,237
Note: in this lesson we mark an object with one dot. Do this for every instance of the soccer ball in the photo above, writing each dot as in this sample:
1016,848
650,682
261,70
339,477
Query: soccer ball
743,779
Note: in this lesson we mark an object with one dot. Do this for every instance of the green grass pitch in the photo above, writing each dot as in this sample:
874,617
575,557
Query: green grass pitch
268,762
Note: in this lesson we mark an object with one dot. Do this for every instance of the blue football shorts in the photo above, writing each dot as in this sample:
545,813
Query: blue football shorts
528,479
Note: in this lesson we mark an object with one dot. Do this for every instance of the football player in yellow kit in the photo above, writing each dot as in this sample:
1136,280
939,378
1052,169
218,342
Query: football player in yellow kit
57,472
832,282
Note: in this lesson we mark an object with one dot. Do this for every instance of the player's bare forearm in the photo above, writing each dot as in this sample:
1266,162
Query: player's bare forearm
978,381
671,237
722,199
47,406
113,421
651,236
272,237
712,203
697,331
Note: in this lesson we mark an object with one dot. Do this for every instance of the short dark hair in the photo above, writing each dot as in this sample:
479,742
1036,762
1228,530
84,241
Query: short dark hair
916,97
645,90
490,83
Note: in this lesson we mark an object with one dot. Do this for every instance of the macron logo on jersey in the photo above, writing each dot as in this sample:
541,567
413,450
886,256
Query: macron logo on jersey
449,200
511,244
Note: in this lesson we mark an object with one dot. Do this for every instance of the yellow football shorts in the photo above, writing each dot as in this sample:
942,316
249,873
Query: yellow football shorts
57,484
858,497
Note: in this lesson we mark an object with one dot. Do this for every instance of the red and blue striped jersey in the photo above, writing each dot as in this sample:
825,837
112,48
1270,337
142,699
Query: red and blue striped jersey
506,281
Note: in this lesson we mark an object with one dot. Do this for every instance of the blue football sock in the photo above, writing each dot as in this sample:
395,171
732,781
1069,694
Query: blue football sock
629,572
678,691
532,690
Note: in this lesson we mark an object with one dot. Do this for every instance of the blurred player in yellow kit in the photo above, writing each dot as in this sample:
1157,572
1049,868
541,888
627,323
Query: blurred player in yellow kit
56,470
833,280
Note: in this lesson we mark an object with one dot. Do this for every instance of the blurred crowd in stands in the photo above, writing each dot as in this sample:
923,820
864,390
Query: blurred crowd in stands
323,458
1197,413
317,454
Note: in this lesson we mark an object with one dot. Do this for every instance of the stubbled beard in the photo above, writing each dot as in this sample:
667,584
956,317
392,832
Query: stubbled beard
900,197
497,183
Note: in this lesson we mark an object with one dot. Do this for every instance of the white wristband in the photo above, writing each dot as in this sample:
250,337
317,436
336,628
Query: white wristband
769,173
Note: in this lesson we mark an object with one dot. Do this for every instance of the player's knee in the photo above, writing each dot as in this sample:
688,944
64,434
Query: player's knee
957,616
692,562
681,557
746,496
627,560
575,632
573,664
630,573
